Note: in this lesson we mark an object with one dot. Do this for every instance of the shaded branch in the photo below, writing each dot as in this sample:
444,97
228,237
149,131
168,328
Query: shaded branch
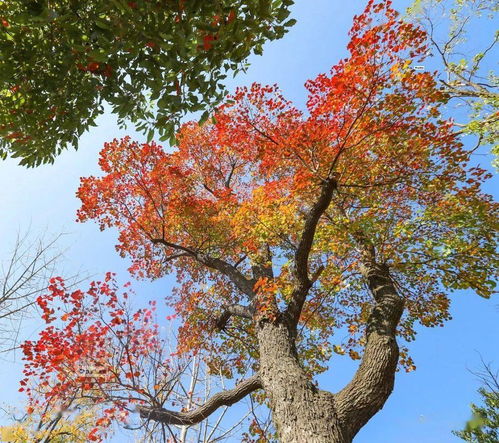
225,398
229,311
263,134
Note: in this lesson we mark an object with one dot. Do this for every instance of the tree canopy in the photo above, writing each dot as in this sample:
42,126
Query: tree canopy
467,64
284,227
236,194
150,61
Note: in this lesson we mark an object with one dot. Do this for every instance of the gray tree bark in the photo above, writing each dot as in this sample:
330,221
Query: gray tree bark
304,413
301,412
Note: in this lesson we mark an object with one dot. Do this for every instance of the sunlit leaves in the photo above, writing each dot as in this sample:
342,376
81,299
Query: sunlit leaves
237,188
71,425
151,61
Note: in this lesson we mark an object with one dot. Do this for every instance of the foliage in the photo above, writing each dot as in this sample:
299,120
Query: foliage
484,424
232,196
261,196
467,64
151,61
71,425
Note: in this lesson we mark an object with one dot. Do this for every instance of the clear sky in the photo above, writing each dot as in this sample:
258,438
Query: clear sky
426,404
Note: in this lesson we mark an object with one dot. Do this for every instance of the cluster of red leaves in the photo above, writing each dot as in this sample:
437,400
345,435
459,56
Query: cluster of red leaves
210,37
96,350
94,67
237,188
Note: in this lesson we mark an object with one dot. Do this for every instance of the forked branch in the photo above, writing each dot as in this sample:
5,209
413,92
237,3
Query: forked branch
301,272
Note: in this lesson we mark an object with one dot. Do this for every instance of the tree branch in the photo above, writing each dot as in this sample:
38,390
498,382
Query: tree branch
229,311
373,382
225,398
307,236
245,285
305,245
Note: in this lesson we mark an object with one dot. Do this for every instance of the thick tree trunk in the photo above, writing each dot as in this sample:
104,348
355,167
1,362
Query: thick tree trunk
302,412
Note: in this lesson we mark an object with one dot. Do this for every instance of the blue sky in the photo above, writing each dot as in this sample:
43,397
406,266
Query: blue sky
426,404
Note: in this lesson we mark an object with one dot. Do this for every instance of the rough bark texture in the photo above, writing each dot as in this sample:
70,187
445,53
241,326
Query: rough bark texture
301,412
373,382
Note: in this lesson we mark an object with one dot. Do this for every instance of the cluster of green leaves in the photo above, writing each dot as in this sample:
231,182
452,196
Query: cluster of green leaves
467,63
150,60
483,427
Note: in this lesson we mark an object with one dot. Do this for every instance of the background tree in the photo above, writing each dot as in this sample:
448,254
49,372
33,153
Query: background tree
484,424
468,75
151,61
23,278
97,360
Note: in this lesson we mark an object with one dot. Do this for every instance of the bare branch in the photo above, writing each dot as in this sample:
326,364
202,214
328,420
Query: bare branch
244,284
22,279
264,269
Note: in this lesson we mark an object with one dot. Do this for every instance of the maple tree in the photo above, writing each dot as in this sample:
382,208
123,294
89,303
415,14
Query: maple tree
285,227
150,61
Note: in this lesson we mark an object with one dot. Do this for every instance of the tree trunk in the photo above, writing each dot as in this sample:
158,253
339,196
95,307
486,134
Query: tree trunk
302,412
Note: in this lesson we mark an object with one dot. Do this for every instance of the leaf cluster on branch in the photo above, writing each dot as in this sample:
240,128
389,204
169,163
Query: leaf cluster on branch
150,61
467,61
